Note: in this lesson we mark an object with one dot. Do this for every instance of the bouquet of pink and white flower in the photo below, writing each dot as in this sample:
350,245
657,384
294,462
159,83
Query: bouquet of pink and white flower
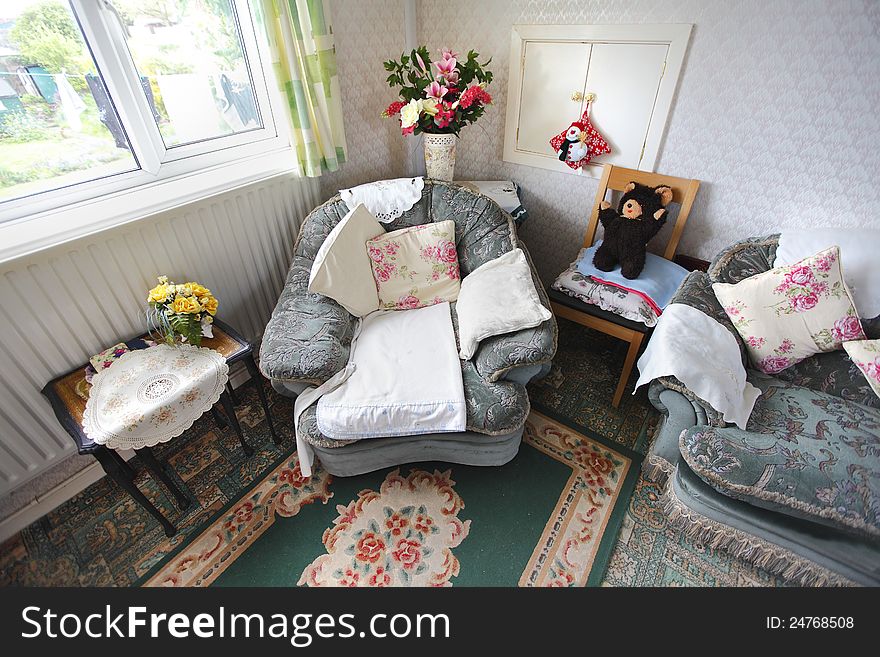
438,97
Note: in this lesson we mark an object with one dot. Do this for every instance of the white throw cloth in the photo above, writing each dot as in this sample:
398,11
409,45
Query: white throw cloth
407,379
149,396
859,255
386,199
403,378
704,356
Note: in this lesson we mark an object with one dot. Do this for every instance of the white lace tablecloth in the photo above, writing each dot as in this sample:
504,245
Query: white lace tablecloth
150,396
386,199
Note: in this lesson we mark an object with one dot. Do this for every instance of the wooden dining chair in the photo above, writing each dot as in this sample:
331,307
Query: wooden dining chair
684,190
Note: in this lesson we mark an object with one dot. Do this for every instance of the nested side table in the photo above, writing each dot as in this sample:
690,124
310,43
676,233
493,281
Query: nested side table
68,394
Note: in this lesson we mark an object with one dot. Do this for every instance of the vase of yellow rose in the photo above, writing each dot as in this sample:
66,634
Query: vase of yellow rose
181,312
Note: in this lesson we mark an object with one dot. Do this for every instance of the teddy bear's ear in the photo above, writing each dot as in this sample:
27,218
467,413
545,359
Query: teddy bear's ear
631,186
665,195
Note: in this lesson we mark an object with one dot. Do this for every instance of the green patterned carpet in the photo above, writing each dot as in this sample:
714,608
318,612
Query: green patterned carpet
100,537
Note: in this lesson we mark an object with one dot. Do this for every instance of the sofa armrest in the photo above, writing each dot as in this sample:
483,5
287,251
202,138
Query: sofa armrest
500,354
309,335
696,292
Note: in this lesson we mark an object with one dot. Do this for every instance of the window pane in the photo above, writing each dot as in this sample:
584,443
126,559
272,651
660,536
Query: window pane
58,126
190,56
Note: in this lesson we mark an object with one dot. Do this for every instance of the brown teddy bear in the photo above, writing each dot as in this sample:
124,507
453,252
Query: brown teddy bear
640,215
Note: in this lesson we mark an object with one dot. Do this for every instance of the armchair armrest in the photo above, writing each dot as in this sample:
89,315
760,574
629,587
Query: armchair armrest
309,335
500,354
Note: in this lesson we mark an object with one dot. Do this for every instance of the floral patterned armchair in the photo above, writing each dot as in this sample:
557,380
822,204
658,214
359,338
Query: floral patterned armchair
798,491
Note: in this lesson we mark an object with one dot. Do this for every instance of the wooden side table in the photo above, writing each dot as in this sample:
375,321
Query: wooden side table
68,394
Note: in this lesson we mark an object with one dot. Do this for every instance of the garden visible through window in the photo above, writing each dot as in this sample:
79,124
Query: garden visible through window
58,125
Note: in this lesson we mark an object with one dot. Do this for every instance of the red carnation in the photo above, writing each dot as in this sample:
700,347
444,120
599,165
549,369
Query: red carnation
474,94
393,108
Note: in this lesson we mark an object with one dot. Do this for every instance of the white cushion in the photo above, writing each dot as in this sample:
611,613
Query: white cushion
497,297
342,267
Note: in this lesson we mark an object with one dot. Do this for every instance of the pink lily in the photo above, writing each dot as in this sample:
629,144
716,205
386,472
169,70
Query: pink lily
451,78
446,53
445,67
422,65
436,90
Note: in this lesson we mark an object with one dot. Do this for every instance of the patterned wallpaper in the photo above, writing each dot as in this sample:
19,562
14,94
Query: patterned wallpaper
776,111
367,32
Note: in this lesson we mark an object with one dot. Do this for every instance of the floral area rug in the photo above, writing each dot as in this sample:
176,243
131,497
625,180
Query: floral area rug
571,509
549,518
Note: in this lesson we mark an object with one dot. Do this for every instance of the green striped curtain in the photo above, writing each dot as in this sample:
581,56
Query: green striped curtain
304,58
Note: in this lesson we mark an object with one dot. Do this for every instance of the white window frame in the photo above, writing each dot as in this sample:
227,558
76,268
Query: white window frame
168,176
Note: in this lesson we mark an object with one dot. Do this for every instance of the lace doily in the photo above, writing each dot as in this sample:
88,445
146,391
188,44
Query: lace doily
150,396
386,199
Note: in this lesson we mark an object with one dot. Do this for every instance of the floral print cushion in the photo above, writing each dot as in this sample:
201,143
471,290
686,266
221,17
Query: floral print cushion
866,355
607,297
804,453
415,267
790,313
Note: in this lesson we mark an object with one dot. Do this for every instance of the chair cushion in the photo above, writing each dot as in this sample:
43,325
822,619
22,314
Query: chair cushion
564,299
415,267
622,303
790,313
804,453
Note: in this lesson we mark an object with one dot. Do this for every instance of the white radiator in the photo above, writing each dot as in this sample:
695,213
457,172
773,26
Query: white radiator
60,306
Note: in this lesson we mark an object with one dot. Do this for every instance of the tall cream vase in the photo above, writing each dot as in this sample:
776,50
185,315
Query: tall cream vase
439,156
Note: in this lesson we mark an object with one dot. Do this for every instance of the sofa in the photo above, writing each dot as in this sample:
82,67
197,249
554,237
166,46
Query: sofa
308,337
796,492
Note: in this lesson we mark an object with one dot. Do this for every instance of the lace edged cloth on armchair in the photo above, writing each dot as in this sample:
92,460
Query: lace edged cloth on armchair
386,199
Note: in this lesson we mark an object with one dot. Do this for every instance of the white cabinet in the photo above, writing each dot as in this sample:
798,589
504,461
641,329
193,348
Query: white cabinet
631,69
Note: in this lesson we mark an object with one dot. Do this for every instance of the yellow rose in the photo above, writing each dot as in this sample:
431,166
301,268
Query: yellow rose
186,305
199,290
429,106
158,294
209,303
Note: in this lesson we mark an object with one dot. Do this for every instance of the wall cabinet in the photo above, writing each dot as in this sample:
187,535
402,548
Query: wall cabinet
631,69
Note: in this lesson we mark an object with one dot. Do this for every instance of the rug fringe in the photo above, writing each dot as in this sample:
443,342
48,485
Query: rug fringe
762,554
656,469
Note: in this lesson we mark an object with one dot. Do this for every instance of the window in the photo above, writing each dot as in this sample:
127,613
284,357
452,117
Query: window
98,96
58,126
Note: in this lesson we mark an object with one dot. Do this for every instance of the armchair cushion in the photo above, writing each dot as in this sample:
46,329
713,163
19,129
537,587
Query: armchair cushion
498,297
498,355
803,453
